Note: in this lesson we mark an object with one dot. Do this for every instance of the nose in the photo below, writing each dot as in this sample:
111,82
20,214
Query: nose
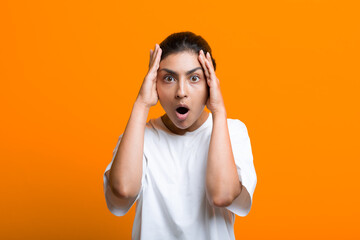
181,90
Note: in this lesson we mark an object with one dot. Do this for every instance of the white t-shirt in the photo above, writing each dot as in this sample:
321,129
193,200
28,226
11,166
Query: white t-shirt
172,202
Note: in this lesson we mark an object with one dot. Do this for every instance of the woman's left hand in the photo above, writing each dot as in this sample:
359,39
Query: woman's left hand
215,102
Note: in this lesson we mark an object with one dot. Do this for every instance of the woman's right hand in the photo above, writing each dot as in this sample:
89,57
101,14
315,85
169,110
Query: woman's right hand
148,94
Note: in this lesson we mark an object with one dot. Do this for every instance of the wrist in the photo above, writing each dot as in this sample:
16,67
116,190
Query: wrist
140,108
141,105
219,116
219,113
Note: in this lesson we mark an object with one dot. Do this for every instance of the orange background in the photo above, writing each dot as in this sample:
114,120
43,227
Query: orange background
71,70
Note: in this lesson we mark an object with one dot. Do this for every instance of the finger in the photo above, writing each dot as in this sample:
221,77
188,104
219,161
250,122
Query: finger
154,88
206,67
212,73
157,58
154,55
205,62
151,53
210,68
209,58
209,65
202,61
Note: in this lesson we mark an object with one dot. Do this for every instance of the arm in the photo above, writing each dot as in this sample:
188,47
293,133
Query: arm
222,180
126,170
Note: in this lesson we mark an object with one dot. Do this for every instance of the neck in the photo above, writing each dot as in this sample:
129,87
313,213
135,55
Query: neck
172,128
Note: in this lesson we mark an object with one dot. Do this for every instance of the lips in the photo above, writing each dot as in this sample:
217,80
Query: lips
182,111
182,108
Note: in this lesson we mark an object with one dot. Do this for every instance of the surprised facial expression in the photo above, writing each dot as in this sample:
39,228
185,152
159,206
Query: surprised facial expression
182,88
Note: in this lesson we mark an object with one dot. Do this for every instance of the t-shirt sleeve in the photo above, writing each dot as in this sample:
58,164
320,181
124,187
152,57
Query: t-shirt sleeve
241,147
117,206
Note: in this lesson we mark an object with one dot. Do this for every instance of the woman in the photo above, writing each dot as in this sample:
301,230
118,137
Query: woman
189,170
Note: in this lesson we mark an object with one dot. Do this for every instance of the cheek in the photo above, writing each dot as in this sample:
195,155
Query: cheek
205,89
161,90
201,94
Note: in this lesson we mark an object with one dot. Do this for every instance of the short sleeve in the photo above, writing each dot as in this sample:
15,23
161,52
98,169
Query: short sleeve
241,147
120,207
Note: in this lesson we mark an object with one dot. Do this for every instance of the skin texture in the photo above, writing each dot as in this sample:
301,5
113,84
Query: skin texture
222,183
189,89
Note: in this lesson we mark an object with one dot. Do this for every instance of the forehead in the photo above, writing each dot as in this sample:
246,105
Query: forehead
182,61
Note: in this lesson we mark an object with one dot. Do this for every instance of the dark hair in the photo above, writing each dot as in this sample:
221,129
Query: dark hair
185,41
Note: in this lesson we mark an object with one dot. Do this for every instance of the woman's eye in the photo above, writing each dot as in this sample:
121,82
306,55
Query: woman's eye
167,78
196,78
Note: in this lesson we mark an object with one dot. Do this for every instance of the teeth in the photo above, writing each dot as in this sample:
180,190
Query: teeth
182,110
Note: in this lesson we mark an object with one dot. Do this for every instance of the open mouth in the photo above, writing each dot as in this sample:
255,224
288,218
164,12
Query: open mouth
182,110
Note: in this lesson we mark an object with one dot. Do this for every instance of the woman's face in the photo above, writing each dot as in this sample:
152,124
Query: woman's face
181,81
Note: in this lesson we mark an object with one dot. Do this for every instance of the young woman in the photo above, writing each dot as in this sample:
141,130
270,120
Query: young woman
189,170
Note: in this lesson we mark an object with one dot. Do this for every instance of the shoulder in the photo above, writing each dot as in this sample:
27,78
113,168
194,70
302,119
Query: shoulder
237,129
235,124
152,128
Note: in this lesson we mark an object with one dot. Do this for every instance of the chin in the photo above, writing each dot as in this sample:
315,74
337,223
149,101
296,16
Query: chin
187,124
181,124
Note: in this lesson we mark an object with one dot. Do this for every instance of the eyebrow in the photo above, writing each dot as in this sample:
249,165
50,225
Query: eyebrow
175,73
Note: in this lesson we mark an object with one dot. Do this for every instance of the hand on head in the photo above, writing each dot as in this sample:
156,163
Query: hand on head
215,102
148,94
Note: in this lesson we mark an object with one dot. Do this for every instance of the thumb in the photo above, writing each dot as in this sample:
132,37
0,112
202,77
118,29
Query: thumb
151,53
